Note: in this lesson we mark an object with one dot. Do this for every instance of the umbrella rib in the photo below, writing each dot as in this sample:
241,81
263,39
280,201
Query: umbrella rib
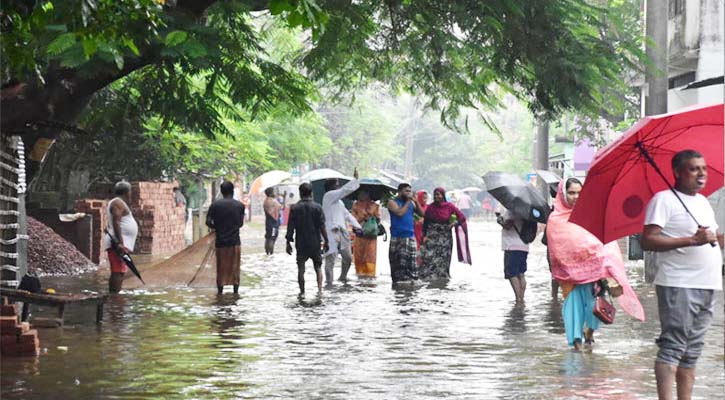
616,163
650,140
632,166
672,135
627,155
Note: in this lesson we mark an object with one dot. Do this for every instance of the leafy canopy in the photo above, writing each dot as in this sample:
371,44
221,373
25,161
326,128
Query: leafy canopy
459,54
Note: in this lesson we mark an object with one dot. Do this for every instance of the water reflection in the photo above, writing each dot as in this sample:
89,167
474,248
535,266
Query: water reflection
515,320
461,338
555,323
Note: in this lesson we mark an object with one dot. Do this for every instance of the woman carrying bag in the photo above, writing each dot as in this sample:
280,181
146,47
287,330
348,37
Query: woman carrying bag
579,261
365,246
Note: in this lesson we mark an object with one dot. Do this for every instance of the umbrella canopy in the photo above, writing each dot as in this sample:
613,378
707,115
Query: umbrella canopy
268,179
321,174
549,177
471,189
317,178
379,188
517,196
622,180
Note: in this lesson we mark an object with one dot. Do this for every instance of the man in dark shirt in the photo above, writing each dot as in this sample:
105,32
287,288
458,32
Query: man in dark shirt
226,217
307,219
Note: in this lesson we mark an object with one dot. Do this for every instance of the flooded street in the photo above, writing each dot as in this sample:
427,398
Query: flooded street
462,339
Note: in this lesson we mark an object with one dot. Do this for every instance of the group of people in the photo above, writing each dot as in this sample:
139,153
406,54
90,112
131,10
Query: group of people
414,227
681,229
688,258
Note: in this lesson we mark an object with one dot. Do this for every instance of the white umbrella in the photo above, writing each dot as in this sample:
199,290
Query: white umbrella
471,189
323,173
268,179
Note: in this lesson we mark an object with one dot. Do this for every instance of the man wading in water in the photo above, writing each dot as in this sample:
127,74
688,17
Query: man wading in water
125,230
226,217
307,219
271,220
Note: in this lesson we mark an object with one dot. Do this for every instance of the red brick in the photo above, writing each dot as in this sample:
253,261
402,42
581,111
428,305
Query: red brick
7,340
8,322
29,336
21,328
10,309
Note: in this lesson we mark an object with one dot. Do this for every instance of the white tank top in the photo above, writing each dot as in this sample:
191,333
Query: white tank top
128,225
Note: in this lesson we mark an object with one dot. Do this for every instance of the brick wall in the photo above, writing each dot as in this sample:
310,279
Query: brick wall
160,223
96,208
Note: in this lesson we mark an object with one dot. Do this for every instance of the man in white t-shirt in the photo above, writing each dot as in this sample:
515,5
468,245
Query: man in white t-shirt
515,252
689,271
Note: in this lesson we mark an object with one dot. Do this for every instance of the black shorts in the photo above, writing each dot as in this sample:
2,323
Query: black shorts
271,229
313,254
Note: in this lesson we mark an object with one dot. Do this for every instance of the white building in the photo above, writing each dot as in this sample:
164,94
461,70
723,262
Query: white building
696,52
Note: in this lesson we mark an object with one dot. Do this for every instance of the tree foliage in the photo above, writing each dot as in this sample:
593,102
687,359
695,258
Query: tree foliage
199,66
362,133
550,53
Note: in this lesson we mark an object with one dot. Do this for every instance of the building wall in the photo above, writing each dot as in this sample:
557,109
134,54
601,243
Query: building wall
696,46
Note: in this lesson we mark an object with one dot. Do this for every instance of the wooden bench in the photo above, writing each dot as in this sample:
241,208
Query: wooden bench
58,300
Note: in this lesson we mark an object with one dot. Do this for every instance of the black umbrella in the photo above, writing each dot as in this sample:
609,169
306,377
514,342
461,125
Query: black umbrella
517,196
551,179
378,188
125,257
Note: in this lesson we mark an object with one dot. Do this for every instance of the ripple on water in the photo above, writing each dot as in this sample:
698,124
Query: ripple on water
458,339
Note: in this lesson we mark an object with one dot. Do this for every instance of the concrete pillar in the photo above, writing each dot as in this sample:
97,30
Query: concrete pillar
655,101
542,153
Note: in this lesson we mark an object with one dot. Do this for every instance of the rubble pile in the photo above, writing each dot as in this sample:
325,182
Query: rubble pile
50,254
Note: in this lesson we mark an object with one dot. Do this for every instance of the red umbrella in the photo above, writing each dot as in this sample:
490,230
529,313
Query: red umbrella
626,174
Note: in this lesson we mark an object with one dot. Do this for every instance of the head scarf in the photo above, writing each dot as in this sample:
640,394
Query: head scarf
442,212
579,257
419,196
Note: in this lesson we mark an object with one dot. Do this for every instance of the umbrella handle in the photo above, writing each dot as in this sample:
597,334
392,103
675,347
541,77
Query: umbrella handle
713,244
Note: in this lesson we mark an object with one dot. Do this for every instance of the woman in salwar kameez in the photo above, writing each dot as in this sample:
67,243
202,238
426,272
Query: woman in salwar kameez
365,248
440,217
578,261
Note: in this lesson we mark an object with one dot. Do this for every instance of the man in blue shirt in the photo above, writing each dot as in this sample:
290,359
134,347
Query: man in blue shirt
402,251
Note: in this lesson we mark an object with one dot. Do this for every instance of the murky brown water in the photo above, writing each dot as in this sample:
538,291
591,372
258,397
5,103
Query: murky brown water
463,339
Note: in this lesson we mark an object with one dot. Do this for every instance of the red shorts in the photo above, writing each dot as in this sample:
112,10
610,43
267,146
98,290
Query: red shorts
117,265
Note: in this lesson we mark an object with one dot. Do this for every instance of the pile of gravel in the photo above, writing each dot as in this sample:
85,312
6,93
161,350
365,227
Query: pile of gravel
50,254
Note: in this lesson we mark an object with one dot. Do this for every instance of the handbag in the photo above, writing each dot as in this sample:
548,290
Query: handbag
603,309
370,228
382,232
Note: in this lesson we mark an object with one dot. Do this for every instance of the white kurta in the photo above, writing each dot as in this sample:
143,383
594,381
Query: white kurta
336,215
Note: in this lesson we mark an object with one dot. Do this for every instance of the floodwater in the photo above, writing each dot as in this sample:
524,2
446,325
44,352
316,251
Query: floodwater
461,339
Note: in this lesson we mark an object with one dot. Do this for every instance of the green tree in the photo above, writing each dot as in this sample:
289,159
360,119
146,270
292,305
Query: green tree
549,52
362,132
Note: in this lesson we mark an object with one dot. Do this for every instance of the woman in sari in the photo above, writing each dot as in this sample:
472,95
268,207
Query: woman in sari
422,196
365,248
578,262
440,218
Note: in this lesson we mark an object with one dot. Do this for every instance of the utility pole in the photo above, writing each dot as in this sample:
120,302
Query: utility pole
656,20
656,79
